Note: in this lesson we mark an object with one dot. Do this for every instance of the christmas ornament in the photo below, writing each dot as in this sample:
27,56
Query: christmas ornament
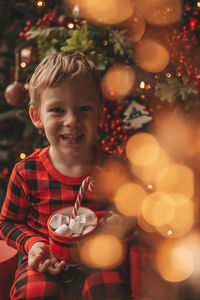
136,115
15,93
29,55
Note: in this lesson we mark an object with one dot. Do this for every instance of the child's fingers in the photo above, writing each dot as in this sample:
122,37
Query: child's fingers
43,267
33,261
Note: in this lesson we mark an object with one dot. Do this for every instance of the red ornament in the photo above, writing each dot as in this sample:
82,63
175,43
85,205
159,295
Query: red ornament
15,94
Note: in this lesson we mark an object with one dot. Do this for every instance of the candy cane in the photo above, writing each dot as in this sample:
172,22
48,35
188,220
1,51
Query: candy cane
87,183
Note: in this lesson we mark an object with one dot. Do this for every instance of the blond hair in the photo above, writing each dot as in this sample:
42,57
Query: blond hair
59,67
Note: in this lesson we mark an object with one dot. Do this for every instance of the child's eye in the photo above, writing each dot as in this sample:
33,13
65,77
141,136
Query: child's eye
85,108
57,110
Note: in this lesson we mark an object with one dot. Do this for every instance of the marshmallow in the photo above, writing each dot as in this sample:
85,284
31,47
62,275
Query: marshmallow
89,219
57,220
87,229
64,230
75,226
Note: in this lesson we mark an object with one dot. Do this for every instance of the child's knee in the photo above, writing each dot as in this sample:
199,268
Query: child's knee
31,288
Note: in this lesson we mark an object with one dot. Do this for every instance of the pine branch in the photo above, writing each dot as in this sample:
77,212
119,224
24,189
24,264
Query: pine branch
80,40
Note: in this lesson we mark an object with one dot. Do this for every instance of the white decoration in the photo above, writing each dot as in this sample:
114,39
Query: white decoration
136,115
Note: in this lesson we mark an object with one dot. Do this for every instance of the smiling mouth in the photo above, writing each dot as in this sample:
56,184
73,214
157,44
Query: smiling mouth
72,139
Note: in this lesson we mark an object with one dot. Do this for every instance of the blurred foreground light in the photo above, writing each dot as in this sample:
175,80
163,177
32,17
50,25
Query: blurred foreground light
144,224
118,82
176,178
183,219
160,12
142,149
135,26
158,209
103,251
110,178
148,173
174,263
129,198
151,56
104,11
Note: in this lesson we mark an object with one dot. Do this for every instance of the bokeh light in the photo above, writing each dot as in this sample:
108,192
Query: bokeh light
135,26
142,149
145,225
158,209
151,56
103,251
118,82
176,178
110,178
129,198
183,219
174,263
174,143
104,11
148,173
160,12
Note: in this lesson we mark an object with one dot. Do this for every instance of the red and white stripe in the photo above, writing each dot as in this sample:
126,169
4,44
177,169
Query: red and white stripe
87,183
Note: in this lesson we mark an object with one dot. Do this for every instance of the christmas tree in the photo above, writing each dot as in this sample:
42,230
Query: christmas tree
147,53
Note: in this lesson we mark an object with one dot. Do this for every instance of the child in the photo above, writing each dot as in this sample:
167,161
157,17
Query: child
65,104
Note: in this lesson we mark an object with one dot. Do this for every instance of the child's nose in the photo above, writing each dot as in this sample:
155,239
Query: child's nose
71,119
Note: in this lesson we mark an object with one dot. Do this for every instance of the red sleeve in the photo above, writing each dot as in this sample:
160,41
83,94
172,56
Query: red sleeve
14,213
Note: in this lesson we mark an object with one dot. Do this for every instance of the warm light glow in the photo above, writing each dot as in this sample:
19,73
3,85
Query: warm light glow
179,139
148,173
142,149
118,82
23,65
174,263
102,251
40,3
158,209
168,75
142,84
176,178
160,12
129,198
198,4
110,177
183,219
104,11
151,56
135,26
70,25
150,187
22,155
145,225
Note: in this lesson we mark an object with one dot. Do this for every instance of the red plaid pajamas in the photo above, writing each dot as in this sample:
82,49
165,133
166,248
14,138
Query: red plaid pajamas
35,190
90,285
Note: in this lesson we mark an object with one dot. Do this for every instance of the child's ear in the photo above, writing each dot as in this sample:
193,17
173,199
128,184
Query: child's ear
35,117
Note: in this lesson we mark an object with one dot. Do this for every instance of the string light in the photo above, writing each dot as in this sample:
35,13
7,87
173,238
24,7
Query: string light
40,3
168,75
150,186
70,25
142,84
22,155
105,43
198,4
178,74
23,65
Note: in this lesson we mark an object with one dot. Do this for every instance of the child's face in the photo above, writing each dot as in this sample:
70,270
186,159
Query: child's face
69,115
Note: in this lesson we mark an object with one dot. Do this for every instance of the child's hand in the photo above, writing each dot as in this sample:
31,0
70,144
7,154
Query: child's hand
41,258
117,224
